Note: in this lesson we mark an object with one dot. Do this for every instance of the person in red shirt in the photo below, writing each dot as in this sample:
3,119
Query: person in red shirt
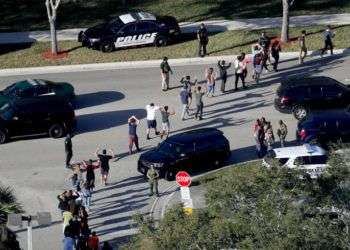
93,241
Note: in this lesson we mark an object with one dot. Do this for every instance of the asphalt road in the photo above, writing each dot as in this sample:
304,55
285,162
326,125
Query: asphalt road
35,167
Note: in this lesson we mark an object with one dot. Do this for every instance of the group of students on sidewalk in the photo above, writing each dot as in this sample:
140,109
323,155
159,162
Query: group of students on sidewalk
264,135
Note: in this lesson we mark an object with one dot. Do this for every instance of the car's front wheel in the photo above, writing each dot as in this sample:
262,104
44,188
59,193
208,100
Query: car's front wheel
161,41
3,136
107,47
56,130
170,175
300,112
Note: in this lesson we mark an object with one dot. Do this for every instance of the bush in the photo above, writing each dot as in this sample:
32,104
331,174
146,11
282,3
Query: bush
257,208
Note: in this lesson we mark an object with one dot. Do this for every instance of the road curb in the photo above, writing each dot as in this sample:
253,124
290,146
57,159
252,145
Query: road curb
140,64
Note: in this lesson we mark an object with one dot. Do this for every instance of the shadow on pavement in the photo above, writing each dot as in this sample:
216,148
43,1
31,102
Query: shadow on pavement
105,120
97,98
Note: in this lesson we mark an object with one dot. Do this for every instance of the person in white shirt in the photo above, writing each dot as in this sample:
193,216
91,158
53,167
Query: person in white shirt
240,67
151,119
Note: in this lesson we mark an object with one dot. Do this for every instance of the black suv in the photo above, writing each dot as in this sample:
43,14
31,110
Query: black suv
191,151
132,29
324,127
302,95
23,117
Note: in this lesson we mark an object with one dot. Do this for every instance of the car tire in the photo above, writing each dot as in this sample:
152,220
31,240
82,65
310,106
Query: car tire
56,130
107,47
300,112
169,175
3,136
160,41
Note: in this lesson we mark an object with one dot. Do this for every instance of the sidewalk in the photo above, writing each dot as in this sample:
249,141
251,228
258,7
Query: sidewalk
190,27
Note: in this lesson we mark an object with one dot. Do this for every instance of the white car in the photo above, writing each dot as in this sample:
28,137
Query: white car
310,158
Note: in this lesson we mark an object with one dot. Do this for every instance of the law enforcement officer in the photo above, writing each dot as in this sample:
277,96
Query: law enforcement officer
165,70
68,149
153,176
203,39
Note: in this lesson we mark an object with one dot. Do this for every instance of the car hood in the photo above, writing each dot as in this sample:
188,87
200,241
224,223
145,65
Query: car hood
96,31
155,156
3,99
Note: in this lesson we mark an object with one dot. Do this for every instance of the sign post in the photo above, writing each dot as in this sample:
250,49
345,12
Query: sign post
184,180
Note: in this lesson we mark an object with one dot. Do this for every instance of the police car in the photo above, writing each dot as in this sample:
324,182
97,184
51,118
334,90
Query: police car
309,158
128,30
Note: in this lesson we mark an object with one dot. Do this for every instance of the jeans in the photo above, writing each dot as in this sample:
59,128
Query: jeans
184,111
69,156
223,82
327,45
241,76
211,89
199,111
165,81
87,202
276,57
202,49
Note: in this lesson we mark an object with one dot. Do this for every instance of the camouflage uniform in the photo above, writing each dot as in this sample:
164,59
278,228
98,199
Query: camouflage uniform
153,176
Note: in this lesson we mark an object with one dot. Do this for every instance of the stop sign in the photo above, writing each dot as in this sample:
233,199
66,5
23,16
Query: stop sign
183,179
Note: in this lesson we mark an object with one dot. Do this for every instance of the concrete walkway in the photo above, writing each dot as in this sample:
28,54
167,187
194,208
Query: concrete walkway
190,27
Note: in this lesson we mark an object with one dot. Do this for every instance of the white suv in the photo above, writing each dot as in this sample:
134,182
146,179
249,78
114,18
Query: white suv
310,158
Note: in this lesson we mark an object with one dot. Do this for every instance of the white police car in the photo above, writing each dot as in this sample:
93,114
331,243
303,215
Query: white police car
132,29
310,158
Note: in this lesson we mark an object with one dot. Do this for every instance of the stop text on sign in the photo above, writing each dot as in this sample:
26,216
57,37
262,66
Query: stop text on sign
183,179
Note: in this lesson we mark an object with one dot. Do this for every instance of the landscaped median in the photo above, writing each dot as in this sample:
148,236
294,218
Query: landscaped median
225,43
251,207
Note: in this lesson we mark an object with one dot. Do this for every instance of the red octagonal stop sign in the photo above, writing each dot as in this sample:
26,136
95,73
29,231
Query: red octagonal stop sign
183,179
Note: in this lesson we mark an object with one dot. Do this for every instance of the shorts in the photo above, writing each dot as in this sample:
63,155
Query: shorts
151,123
104,171
165,126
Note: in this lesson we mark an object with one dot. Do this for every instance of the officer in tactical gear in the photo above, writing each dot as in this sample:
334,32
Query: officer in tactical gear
203,39
153,176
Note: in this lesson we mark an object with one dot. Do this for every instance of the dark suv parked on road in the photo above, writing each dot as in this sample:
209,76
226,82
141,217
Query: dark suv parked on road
23,117
324,127
302,95
192,151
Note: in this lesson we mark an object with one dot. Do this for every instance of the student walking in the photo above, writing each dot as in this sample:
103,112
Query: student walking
188,84
240,66
153,176
302,47
165,70
223,73
90,173
93,242
198,94
259,138
184,102
264,41
151,119
104,159
328,35
203,39
68,148
133,138
269,137
275,53
210,76
86,196
165,121
258,67
245,61
282,132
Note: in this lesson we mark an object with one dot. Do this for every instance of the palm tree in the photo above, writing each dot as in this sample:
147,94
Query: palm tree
8,202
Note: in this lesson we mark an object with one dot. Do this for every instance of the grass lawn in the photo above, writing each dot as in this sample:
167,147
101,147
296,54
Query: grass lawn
23,15
225,43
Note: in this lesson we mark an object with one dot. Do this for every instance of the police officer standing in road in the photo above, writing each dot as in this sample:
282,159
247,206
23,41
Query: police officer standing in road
153,176
68,149
203,39
165,70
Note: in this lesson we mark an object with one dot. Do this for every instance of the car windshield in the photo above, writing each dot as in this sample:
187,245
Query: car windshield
170,149
10,90
115,23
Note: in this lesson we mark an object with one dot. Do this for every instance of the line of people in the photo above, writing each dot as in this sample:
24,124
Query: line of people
264,136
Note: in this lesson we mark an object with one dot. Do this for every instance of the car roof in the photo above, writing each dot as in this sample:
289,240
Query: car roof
309,80
296,151
137,16
29,83
193,135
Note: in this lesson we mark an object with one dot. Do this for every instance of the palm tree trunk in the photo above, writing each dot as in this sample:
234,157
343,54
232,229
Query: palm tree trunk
285,21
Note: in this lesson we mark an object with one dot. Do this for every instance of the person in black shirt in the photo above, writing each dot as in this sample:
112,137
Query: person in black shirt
223,73
104,163
264,41
275,53
68,149
203,39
